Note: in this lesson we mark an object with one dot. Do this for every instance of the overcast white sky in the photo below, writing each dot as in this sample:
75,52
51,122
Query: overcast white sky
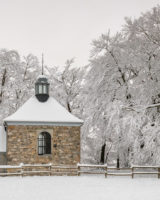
62,29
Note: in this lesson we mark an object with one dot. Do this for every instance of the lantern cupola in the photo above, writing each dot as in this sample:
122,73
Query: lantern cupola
42,88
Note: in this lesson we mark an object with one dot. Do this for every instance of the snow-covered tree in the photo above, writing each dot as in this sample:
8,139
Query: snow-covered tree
16,80
124,73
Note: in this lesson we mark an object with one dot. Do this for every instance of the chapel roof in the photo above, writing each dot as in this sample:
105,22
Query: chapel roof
34,112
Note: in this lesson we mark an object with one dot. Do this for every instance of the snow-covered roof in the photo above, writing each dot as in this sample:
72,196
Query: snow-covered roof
41,76
2,139
34,112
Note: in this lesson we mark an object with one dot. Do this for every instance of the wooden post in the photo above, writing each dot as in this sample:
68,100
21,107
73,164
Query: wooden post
78,170
106,172
21,165
158,172
132,172
50,166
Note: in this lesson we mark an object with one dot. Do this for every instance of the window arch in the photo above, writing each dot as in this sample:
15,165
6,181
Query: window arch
44,143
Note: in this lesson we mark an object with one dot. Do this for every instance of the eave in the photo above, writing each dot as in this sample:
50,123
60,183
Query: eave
36,123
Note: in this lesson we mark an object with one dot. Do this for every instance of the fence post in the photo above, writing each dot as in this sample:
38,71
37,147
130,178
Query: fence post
158,172
50,166
78,173
21,165
132,172
106,172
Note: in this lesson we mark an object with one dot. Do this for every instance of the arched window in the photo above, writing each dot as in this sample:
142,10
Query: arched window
44,143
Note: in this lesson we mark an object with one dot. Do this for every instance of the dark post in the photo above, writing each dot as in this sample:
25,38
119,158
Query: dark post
118,162
103,153
132,172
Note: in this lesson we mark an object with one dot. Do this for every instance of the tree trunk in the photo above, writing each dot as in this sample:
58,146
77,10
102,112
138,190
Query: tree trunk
103,153
118,163
69,107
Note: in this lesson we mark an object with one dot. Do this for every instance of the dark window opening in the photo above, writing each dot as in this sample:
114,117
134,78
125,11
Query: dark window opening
44,143
42,89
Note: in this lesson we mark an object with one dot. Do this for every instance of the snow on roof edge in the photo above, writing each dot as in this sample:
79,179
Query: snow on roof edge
51,112
43,123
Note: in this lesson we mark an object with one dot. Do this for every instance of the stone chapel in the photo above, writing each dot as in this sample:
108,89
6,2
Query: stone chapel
42,131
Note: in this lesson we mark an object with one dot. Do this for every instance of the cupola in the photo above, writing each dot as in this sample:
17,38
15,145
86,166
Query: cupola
42,88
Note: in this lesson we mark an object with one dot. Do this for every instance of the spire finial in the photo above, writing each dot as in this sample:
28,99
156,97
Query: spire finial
42,63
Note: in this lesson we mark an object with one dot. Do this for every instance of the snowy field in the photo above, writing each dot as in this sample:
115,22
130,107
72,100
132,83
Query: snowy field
75,188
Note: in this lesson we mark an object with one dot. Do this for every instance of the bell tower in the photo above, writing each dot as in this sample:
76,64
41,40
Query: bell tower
42,88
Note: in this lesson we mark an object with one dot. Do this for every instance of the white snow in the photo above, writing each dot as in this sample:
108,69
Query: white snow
79,188
49,111
41,76
2,139
87,165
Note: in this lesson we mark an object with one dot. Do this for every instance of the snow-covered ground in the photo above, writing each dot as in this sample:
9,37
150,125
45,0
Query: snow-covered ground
75,188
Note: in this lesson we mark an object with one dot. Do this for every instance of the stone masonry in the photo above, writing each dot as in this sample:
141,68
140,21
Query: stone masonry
3,160
22,145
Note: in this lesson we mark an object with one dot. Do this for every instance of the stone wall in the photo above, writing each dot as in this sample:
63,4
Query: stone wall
3,160
22,145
